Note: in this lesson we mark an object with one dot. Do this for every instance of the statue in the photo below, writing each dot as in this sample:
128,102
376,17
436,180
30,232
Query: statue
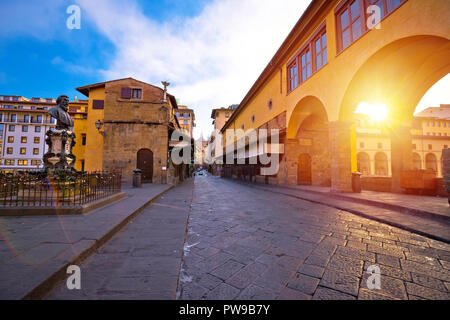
60,141
63,119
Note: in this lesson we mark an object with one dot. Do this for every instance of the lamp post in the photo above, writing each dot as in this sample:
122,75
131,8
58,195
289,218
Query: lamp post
99,125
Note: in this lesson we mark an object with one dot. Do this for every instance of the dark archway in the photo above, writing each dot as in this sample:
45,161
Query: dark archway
145,163
364,163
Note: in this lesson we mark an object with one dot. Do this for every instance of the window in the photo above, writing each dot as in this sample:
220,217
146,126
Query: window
26,118
430,147
380,145
13,118
349,24
439,124
306,64
36,162
351,17
23,150
23,139
23,162
83,139
185,122
10,162
12,128
321,52
24,128
186,115
432,124
227,115
361,145
37,139
270,104
414,147
136,93
292,76
37,129
35,151
98,104
9,150
253,118
427,124
10,139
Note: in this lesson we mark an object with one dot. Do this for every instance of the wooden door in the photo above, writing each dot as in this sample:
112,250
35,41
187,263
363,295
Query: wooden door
145,163
304,169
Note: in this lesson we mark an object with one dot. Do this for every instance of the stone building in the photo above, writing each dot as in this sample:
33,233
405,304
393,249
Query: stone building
430,133
186,119
129,125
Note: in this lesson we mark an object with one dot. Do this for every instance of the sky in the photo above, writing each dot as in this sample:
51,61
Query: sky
204,48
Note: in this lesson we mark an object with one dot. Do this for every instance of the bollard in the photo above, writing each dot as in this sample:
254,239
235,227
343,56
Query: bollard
137,178
356,182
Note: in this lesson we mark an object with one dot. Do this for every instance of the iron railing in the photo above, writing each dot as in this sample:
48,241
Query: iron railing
37,189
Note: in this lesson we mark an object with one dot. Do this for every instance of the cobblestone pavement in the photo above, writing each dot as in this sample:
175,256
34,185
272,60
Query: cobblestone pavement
143,260
247,244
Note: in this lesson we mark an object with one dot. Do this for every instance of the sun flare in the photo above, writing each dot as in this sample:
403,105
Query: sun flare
376,111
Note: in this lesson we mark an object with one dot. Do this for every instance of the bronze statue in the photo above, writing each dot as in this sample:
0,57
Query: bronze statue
63,119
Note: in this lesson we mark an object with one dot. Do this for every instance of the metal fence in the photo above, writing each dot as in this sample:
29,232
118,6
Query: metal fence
36,189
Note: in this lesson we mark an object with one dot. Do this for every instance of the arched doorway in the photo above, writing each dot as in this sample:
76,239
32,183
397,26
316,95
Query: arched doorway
381,164
307,151
364,163
304,169
417,162
431,162
145,163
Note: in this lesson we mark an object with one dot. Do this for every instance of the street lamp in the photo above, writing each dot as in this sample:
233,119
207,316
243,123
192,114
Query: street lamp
99,125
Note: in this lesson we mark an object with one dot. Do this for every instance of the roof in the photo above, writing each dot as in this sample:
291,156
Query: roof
442,112
85,89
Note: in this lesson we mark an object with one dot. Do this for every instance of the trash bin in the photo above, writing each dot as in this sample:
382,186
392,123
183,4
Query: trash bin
356,182
137,178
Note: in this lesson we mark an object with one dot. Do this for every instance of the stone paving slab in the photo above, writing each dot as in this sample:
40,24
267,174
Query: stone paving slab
302,250
143,260
414,204
35,250
435,228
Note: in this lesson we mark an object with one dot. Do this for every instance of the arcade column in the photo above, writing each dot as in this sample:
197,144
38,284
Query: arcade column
401,154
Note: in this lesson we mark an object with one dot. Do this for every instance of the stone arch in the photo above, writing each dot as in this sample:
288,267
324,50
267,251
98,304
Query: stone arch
308,134
381,164
417,161
398,75
364,163
431,162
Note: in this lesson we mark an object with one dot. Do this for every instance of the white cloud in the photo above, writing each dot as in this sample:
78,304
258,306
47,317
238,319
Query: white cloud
211,60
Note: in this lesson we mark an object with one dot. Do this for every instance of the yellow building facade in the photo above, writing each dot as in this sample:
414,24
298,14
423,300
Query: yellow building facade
333,60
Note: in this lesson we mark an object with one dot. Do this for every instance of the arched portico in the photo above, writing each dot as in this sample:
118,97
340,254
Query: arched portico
308,156
398,76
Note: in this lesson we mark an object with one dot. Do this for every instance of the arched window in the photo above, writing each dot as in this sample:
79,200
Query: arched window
417,162
381,164
431,162
364,163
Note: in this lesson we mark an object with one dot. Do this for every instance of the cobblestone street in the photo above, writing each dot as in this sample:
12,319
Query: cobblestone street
245,243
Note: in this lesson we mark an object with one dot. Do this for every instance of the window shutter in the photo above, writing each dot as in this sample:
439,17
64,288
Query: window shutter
126,93
98,104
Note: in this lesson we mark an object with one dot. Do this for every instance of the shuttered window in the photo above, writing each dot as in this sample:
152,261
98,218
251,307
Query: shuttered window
126,93
98,104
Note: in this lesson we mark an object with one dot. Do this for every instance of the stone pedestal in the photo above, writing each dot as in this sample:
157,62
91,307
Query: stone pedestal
401,154
59,155
341,139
